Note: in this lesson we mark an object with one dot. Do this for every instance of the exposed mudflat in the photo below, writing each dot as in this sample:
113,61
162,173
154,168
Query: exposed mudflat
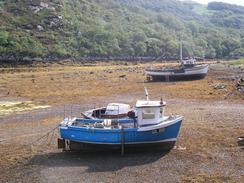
206,150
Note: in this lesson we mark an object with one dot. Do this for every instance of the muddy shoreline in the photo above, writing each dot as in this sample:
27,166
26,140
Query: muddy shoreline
206,150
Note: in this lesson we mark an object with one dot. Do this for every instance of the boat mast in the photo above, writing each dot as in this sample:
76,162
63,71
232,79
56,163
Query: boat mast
181,57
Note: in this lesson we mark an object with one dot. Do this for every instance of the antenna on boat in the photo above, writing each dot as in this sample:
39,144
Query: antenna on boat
64,111
146,93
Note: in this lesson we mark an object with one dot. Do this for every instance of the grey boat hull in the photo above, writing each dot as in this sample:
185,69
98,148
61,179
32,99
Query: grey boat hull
191,73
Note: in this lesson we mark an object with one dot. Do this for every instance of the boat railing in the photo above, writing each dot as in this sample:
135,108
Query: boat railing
125,120
104,123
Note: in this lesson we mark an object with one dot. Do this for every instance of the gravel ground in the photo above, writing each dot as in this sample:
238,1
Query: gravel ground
206,150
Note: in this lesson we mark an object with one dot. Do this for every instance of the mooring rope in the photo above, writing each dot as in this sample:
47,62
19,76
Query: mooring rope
37,140
47,134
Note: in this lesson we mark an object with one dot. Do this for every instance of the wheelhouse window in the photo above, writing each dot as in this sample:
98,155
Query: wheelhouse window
148,114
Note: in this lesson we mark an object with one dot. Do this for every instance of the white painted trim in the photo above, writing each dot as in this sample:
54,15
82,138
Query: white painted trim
144,142
151,142
163,124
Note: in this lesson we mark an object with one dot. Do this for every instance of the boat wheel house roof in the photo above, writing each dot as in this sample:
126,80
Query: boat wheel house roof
147,103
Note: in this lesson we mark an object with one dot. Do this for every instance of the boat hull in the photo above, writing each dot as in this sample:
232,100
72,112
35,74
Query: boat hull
192,73
114,138
78,146
178,77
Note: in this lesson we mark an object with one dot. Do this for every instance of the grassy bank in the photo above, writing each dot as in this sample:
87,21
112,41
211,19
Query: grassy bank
238,63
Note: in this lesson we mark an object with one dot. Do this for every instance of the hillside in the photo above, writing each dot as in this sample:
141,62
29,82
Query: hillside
57,29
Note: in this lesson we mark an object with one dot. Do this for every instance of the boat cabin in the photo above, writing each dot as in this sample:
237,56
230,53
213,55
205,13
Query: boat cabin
111,111
116,110
189,62
149,112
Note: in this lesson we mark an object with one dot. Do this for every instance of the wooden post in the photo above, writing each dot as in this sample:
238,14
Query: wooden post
122,141
167,78
31,150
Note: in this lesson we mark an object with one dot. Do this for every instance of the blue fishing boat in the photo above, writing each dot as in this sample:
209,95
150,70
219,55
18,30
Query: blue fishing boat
143,125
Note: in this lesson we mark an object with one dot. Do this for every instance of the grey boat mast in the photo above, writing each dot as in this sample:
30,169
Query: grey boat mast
181,56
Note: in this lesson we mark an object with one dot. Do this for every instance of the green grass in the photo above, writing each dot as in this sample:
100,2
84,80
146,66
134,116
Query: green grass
239,63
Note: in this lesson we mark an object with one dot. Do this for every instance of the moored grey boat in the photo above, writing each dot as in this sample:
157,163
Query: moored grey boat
188,70
196,71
